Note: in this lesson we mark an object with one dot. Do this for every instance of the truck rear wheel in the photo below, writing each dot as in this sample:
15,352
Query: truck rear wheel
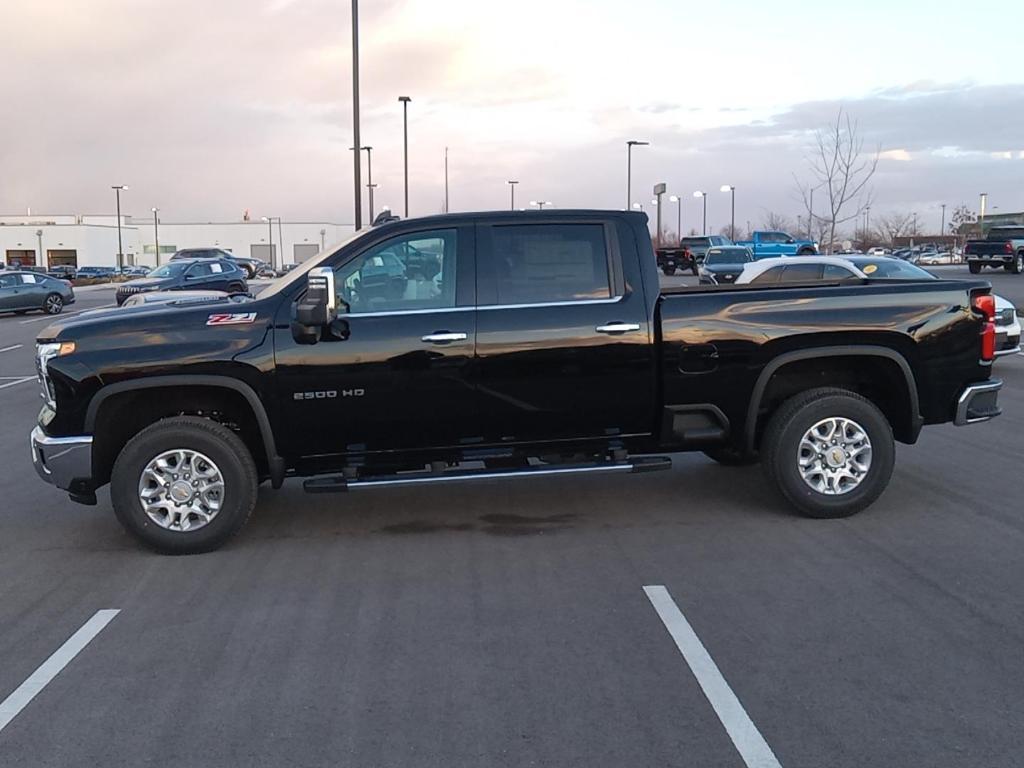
184,485
829,451
975,267
1018,264
669,271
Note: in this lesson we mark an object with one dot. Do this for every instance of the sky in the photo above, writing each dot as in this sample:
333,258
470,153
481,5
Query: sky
207,109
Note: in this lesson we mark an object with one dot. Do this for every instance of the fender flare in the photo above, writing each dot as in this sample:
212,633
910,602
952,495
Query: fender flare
274,462
851,350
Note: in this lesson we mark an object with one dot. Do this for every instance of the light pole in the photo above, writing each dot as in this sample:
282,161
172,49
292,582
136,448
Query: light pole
120,253
629,166
446,179
270,237
405,147
638,207
369,178
699,193
732,218
355,117
512,189
323,243
981,213
540,203
280,240
156,234
679,214
659,190
942,227
39,234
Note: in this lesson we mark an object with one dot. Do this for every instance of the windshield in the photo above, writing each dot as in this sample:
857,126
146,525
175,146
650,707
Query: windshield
1006,233
169,270
891,268
727,256
694,241
299,273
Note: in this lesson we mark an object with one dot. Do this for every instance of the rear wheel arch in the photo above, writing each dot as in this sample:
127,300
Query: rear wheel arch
865,370
134,405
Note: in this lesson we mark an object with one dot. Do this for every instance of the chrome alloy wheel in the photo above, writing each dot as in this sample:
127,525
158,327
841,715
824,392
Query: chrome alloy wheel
181,490
834,456
54,304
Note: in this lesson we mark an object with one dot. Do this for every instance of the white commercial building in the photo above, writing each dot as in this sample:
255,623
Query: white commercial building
91,241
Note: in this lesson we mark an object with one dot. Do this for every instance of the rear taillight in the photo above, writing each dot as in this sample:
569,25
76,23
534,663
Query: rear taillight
967,248
1008,246
985,304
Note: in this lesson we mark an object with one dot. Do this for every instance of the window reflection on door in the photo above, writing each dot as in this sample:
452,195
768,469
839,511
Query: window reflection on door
410,272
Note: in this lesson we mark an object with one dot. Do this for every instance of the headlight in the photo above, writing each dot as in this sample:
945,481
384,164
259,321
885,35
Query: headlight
44,354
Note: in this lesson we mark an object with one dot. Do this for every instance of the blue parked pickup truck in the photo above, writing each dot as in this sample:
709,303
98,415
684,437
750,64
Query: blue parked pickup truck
768,244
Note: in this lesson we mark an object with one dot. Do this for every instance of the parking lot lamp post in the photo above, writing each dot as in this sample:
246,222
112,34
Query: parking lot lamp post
981,209
732,218
39,234
270,236
638,207
629,166
405,147
120,251
369,178
156,234
280,240
446,179
540,203
704,195
942,227
355,117
323,242
679,214
512,189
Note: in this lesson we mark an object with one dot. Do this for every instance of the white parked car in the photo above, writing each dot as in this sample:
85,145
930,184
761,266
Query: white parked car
802,269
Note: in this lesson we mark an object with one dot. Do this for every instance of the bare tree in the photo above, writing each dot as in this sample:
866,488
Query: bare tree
730,231
961,215
776,222
892,225
840,172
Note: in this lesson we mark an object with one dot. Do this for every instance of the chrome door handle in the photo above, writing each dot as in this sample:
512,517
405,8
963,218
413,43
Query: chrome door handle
618,327
443,337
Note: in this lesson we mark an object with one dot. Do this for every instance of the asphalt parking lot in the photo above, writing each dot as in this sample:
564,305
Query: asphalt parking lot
509,624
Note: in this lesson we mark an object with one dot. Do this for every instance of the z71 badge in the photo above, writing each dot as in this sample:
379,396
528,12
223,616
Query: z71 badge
238,318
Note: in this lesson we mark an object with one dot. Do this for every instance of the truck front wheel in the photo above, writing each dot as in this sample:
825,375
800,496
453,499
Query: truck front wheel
184,485
829,451
975,267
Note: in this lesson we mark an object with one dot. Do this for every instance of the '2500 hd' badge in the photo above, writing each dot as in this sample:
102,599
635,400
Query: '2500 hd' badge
238,318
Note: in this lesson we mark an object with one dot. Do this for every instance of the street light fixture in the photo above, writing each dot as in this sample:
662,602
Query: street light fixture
679,214
629,166
638,207
270,238
540,203
120,251
704,195
156,233
405,147
732,217
512,189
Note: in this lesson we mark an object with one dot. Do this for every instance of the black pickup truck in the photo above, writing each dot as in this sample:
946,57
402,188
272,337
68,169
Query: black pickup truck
541,345
1002,247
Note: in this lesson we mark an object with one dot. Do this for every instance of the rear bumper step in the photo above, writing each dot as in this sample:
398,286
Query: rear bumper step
338,484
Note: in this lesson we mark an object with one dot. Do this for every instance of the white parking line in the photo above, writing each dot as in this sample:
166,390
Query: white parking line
21,380
744,734
24,693
11,348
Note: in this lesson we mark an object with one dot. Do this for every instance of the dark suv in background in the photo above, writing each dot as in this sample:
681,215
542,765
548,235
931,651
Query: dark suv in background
247,264
188,274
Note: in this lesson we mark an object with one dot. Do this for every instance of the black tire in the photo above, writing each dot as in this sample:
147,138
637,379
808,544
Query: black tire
668,271
975,267
1018,263
53,304
250,272
214,440
806,252
236,288
729,456
781,444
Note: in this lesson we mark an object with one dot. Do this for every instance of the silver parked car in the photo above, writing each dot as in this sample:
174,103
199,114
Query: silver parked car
22,292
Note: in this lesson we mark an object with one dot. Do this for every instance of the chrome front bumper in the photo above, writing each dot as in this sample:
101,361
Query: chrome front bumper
61,461
978,403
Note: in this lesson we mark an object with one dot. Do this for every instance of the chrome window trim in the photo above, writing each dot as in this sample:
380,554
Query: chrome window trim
438,310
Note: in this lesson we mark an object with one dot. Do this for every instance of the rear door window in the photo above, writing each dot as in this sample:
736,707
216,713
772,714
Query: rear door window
544,263
768,276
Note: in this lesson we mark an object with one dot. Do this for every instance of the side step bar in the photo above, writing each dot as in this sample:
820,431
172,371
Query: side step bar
337,484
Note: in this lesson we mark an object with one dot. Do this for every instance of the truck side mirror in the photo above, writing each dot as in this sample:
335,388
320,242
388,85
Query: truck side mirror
318,308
